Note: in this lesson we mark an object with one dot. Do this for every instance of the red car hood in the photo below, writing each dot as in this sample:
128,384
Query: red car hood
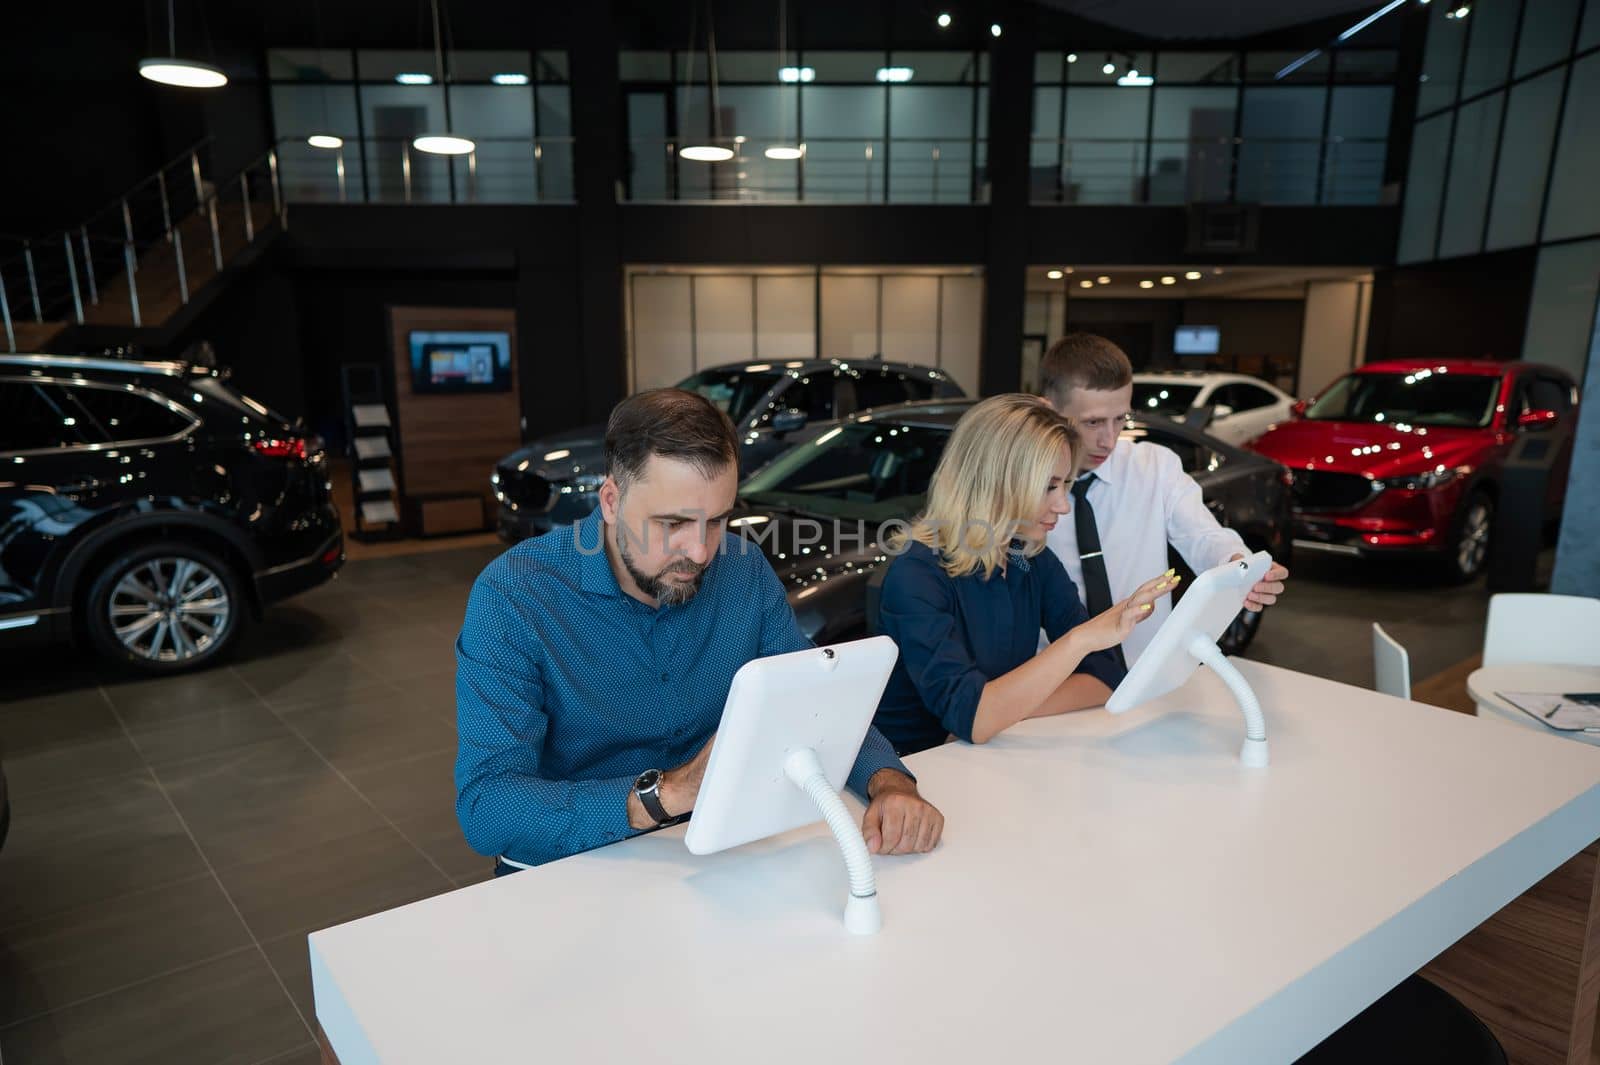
1372,448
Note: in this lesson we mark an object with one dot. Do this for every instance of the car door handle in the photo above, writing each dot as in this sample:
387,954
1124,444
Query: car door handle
88,484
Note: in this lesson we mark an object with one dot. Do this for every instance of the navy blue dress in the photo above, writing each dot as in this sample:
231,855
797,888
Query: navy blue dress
958,633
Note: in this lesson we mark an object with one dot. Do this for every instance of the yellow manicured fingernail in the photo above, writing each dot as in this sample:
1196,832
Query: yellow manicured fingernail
1147,608
1169,572
1175,580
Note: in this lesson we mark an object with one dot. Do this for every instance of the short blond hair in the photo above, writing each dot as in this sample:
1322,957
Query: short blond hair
990,480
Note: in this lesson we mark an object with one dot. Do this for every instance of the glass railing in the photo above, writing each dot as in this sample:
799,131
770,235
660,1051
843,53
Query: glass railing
391,170
827,170
1089,170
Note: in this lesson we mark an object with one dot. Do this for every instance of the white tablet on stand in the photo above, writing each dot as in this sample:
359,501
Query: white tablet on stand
790,733
1188,640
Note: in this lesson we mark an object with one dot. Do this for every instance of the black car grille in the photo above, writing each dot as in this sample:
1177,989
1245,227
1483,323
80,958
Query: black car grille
1323,490
525,489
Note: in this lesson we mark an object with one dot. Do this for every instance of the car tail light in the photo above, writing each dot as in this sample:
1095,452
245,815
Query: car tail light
281,449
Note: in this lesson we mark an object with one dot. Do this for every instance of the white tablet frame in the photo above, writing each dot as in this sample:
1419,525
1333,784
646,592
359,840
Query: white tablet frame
791,730
1188,639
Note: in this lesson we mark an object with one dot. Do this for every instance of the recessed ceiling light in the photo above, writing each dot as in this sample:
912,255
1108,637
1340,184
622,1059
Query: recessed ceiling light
1110,67
1192,275
414,79
509,79
1147,283
943,20
994,29
1086,283
1168,279
1070,269
895,74
1072,57
797,74
1054,275
785,151
1102,280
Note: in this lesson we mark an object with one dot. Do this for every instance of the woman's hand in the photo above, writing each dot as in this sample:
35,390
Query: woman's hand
1112,627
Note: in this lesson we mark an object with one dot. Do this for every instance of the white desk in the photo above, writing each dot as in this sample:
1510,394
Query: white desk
1115,889
1484,685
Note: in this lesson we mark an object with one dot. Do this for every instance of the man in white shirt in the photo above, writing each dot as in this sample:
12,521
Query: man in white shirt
1132,499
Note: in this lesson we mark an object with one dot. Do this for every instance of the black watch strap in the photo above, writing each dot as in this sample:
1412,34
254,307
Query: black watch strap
648,788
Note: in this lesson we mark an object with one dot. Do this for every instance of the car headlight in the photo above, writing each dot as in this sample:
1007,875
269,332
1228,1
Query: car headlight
584,484
1421,482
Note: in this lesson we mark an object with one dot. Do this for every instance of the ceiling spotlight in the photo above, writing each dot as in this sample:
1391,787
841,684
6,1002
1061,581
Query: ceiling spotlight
1459,12
1191,275
1102,280
509,79
1086,283
1054,275
706,153
1147,283
943,20
1134,78
1216,271
894,74
414,79
1072,57
994,29
793,74
183,73
1110,67
785,152
444,144
1070,269
1168,279
325,140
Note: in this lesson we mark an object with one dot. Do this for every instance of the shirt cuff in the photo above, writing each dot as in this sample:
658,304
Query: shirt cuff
1104,667
876,753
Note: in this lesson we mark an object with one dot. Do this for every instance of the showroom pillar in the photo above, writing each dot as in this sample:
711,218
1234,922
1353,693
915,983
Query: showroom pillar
1010,127
1578,551
596,105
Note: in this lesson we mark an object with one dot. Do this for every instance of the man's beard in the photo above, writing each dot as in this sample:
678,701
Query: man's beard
664,591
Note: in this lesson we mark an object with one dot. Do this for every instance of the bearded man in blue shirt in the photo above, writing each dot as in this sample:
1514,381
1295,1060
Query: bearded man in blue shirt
594,661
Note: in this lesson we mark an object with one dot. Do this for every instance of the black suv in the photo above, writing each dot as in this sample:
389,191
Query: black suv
150,508
555,481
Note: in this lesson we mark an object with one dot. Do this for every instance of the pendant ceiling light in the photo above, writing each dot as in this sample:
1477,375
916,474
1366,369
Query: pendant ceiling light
786,152
325,140
183,73
446,143
710,152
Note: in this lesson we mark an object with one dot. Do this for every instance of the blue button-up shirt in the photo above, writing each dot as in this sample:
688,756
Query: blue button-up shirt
956,634
567,688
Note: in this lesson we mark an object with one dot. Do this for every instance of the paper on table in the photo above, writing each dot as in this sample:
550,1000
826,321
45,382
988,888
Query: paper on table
1555,710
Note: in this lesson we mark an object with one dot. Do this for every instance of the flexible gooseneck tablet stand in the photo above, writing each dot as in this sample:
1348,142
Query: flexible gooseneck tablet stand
861,913
1206,651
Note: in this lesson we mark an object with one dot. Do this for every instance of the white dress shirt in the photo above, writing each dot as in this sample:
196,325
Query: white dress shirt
1143,500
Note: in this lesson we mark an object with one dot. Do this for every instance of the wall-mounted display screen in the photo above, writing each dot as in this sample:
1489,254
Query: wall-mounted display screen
460,362
1197,340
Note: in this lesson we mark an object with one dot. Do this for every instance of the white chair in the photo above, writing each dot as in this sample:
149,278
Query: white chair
1543,630
1391,665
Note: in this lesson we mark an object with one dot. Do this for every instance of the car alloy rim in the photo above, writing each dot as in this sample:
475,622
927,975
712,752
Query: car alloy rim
170,609
1474,539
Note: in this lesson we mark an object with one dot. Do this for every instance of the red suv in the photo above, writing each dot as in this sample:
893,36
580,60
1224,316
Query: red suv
1407,456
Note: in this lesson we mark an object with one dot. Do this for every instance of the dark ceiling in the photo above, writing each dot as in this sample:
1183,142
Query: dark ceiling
1176,20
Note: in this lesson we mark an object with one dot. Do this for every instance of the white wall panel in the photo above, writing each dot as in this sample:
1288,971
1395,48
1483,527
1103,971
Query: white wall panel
849,316
786,317
662,344
961,330
724,319
911,318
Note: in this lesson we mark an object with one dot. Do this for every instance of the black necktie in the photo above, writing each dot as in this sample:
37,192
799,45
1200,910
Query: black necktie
1096,585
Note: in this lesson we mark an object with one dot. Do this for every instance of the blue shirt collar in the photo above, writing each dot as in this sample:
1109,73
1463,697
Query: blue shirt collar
594,566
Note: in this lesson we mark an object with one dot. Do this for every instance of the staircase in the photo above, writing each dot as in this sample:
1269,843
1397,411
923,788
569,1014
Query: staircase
136,269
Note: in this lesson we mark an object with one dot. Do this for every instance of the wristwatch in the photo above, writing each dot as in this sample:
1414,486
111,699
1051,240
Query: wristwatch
647,786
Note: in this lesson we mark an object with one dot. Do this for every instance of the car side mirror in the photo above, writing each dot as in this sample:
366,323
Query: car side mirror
1221,410
787,421
1298,409
1537,420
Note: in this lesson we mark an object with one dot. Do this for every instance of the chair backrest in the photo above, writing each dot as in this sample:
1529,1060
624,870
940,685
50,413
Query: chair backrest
1391,665
1542,629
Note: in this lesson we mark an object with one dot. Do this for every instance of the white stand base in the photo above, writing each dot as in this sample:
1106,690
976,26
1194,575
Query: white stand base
1254,753
861,913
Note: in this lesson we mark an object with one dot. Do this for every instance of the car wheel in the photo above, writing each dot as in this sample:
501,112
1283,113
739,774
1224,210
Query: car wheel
165,608
1240,632
1470,552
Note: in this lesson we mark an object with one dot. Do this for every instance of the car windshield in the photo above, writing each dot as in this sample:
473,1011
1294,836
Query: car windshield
734,391
865,470
1163,397
1423,397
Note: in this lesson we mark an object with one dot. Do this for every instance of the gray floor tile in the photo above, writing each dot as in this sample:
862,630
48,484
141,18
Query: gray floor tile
264,800
439,835
310,1054
321,674
418,652
290,958
436,691
85,844
411,787
230,1011
207,732
330,882
372,729
64,959
58,741
156,700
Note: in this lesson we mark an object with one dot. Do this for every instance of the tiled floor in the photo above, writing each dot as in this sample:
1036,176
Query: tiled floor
174,841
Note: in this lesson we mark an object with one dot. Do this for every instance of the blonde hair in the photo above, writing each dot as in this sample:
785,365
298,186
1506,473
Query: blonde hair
990,479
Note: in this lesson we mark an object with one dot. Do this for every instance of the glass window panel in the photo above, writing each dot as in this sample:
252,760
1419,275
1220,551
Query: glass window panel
481,66
309,64
1546,32
644,66
1191,149
1471,165
1574,208
1090,67
311,175
983,67
1494,24
1282,133
1105,150
1419,225
492,110
931,153
554,111
1589,32
1365,64
500,171
855,112
1045,151
758,67
762,112
844,66
1358,142
1562,312
1530,127
551,66
301,110
1209,67
1441,60
1264,66
393,116
1049,67
384,64
957,68
647,156
934,111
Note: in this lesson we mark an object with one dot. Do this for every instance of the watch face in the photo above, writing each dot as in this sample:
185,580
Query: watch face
647,780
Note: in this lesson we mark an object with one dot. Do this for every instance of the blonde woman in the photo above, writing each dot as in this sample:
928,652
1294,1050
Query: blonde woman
974,584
